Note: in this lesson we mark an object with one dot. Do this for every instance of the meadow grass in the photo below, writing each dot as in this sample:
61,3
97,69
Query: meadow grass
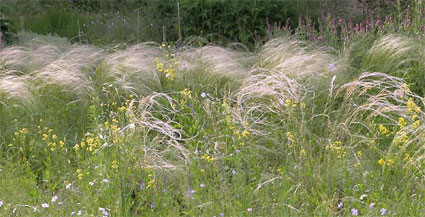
294,129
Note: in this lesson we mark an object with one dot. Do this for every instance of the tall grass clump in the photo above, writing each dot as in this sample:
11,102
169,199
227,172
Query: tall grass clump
295,129
399,56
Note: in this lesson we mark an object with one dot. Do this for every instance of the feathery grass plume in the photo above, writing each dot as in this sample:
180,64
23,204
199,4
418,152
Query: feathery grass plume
15,87
16,100
267,92
26,60
32,52
381,99
72,70
217,60
299,60
131,70
398,56
153,117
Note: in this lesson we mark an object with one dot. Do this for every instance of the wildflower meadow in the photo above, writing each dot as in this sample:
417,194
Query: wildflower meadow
322,121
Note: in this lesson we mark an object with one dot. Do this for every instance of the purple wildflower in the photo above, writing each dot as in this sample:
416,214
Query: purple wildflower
383,211
354,211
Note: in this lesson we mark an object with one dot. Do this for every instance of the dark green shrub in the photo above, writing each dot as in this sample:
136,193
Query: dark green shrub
7,30
223,21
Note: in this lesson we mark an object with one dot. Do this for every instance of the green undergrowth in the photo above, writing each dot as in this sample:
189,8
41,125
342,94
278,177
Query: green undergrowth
157,130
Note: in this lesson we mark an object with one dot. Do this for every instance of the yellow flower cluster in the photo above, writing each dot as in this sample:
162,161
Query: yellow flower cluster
208,158
228,114
400,138
114,164
244,134
170,68
359,154
337,147
186,93
402,122
294,104
79,174
288,103
412,107
52,141
122,109
113,131
91,144
383,130
23,131
290,136
383,163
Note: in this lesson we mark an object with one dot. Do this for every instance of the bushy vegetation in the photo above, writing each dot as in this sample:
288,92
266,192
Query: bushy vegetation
316,123
7,31
132,21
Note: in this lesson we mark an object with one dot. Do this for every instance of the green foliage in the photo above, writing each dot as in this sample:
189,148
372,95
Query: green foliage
217,20
224,21
54,21
9,33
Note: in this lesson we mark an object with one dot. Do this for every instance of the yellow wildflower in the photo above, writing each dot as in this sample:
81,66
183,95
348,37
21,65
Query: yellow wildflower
79,174
383,130
290,136
208,158
186,93
411,105
288,102
90,140
416,124
159,65
408,158
45,137
151,183
402,122
381,162
359,154
414,117
114,164
122,109
169,73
